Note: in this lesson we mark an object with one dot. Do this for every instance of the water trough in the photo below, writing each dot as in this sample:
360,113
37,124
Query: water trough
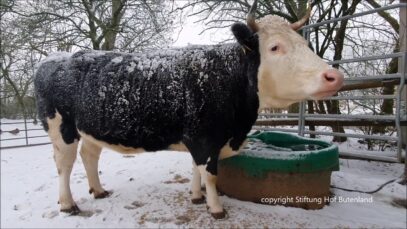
280,168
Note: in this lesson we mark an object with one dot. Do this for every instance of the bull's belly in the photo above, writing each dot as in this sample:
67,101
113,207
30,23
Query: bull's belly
179,146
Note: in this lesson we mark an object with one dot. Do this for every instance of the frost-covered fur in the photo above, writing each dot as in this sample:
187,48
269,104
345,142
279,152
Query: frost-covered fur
203,97
200,96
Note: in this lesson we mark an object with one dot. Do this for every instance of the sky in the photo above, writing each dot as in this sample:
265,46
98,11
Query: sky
189,32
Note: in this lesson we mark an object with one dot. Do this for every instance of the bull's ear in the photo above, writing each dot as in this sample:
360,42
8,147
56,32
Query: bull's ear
245,36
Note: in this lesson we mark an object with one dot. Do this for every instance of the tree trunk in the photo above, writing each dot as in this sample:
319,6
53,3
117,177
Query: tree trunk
386,108
294,108
113,27
387,104
333,106
18,95
321,107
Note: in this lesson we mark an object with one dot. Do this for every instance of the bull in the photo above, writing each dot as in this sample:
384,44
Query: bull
200,99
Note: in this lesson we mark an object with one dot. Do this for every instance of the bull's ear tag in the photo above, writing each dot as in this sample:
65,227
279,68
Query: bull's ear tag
246,48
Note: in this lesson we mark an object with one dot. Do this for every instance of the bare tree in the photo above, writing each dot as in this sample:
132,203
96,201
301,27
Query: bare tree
125,25
388,104
355,37
31,29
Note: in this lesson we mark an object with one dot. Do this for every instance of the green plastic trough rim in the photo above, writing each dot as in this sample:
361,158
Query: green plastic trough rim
326,159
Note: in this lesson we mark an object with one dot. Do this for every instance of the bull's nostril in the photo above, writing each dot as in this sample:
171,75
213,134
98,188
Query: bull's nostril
329,78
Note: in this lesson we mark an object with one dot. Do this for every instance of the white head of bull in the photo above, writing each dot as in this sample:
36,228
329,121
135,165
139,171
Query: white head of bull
289,71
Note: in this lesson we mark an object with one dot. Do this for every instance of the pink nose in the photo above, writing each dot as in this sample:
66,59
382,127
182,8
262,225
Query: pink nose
332,80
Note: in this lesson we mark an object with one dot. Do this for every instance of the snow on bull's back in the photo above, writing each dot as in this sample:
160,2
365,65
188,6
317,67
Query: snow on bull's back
149,61
55,57
154,59
117,60
58,56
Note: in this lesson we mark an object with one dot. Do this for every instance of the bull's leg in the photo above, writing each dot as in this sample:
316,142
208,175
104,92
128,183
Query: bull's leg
64,156
197,197
209,175
90,154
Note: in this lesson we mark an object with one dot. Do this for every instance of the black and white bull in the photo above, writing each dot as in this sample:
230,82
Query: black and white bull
201,99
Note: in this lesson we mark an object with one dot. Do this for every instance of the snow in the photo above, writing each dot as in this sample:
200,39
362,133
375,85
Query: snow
383,149
57,57
151,190
131,67
258,148
117,60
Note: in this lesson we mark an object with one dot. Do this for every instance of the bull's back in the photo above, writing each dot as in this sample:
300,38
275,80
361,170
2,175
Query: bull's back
114,98
142,100
120,102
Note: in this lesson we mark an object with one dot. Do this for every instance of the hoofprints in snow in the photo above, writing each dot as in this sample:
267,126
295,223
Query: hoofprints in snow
198,99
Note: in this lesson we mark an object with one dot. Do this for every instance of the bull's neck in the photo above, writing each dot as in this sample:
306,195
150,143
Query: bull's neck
240,62
243,65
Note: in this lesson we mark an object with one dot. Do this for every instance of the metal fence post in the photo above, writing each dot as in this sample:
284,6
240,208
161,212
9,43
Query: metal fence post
25,130
402,69
302,108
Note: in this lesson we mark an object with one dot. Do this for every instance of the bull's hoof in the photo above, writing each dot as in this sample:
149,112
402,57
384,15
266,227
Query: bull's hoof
103,195
219,215
198,200
74,210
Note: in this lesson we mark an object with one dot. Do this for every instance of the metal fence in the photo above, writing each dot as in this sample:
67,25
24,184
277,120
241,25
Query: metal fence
21,133
300,120
399,119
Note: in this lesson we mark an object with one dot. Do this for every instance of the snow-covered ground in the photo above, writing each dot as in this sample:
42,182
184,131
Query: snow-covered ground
152,190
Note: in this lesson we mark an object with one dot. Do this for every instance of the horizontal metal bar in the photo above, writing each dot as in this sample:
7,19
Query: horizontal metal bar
366,58
275,129
375,77
343,116
333,116
317,119
365,97
36,129
20,146
277,119
374,137
352,154
279,114
10,123
10,139
367,12
39,136
325,122
7,139
21,130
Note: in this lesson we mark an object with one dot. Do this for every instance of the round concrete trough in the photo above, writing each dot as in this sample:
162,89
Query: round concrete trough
280,168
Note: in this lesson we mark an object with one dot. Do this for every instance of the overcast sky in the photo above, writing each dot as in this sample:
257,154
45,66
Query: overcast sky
190,30
190,34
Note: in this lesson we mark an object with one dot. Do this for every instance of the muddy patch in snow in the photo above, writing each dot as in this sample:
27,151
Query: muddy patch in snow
177,179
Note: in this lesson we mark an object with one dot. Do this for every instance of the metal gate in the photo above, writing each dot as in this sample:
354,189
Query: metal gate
399,119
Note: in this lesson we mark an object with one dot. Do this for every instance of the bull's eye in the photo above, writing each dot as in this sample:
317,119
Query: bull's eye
274,48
